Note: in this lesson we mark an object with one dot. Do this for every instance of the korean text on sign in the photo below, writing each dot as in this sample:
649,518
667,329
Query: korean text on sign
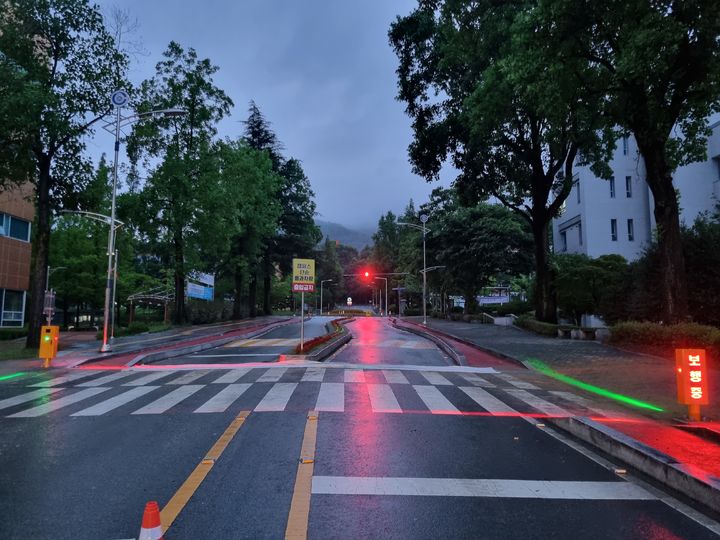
691,371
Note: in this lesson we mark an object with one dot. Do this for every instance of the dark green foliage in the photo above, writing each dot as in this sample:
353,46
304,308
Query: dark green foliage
12,333
137,327
659,338
539,327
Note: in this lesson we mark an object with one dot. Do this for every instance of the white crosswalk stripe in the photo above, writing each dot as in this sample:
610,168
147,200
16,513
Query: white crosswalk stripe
587,404
167,401
435,378
476,380
59,403
29,396
65,378
435,401
395,377
382,399
223,399
190,376
537,403
272,375
486,400
516,382
151,377
277,398
232,376
354,375
115,402
313,375
331,397
109,378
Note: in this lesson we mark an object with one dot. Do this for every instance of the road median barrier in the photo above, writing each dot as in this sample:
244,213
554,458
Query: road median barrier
326,344
685,479
457,358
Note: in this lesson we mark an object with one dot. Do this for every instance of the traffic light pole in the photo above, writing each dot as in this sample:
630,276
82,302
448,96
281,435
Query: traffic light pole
302,321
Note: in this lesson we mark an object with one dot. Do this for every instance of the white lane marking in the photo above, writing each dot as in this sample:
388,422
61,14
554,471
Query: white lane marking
66,378
395,377
313,375
272,375
190,377
169,400
434,400
470,487
151,377
223,399
110,378
231,376
115,402
477,381
435,378
331,397
29,396
486,400
59,403
382,399
233,355
354,375
277,398
517,383
538,403
589,405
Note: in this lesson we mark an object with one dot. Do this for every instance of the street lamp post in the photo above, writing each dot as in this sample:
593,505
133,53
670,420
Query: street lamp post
120,99
321,292
50,270
423,219
386,295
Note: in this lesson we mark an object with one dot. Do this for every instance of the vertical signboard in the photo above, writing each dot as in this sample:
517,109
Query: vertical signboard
303,279
691,372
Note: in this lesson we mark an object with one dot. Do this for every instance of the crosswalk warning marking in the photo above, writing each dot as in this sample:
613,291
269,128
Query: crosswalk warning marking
272,375
277,398
537,403
231,376
117,401
477,381
354,375
167,401
395,377
434,400
487,401
150,377
382,399
190,376
223,399
435,378
331,397
516,382
59,403
29,396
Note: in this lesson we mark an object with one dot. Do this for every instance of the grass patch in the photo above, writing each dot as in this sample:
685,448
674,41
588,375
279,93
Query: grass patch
16,351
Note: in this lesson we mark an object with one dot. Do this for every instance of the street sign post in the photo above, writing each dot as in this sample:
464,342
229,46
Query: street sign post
303,281
691,372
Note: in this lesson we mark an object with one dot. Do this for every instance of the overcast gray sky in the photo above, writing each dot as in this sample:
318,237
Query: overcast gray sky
323,74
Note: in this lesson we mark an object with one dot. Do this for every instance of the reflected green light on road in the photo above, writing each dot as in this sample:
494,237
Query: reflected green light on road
544,369
12,376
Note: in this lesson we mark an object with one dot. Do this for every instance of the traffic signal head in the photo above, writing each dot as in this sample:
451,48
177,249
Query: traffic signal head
367,274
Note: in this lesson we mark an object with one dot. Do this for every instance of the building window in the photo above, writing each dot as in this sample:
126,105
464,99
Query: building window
563,241
631,230
14,227
625,145
577,188
612,187
628,186
12,308
613,230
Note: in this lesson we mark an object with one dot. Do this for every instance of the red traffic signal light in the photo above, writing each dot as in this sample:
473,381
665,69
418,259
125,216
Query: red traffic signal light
367,274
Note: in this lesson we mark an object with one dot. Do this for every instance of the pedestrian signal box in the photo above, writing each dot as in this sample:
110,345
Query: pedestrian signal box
49,340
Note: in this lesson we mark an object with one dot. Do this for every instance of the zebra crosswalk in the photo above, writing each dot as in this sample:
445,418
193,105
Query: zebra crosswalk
381,389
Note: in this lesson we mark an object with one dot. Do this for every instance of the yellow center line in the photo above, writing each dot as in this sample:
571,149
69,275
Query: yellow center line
297,526
173,508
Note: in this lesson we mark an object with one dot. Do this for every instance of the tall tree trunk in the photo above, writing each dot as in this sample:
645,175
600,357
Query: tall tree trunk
545,297
267,286
667,217
179,315
470,302
252,293
237,304
40,251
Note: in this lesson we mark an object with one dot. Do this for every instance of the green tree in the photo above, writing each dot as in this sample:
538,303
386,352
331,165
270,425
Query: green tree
327,266
657,67
513,133
180,191
60,66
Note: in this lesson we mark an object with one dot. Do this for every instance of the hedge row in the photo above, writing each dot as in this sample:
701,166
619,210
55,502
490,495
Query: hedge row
665,338
543,328
12,333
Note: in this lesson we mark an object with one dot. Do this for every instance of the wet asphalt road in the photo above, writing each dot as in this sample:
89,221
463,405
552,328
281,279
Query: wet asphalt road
437,463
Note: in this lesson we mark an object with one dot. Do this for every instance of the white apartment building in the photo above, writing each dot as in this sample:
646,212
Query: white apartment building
602,217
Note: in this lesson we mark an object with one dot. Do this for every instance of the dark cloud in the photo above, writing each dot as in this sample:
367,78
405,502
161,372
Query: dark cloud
322,72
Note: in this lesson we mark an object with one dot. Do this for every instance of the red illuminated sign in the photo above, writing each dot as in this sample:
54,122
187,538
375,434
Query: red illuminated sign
691,371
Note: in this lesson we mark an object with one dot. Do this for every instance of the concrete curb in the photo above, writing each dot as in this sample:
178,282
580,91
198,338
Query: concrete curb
663,468
150,357
456,357
321,354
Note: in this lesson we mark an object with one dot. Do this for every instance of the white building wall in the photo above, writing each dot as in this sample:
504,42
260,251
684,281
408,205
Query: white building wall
698,184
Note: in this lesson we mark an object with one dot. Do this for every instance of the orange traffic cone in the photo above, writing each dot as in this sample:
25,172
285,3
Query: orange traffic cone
151,528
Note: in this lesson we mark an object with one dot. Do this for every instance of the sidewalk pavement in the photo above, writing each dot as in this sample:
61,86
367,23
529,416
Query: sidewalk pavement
610,381
78,348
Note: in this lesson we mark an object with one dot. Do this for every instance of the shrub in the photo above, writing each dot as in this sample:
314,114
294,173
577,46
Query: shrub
13,333
137,327
543,328
665,338
412,312
516,307
457,309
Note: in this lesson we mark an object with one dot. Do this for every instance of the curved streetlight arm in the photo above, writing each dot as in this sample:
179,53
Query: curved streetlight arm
418,227
123,121
102,218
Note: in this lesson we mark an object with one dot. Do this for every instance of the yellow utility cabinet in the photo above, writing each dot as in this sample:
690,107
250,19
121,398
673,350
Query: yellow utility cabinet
49,339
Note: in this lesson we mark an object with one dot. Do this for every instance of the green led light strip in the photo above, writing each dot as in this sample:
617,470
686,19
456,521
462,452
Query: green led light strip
12,376
544,369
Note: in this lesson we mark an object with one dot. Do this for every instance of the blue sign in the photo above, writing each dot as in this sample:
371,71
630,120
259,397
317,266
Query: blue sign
193,290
